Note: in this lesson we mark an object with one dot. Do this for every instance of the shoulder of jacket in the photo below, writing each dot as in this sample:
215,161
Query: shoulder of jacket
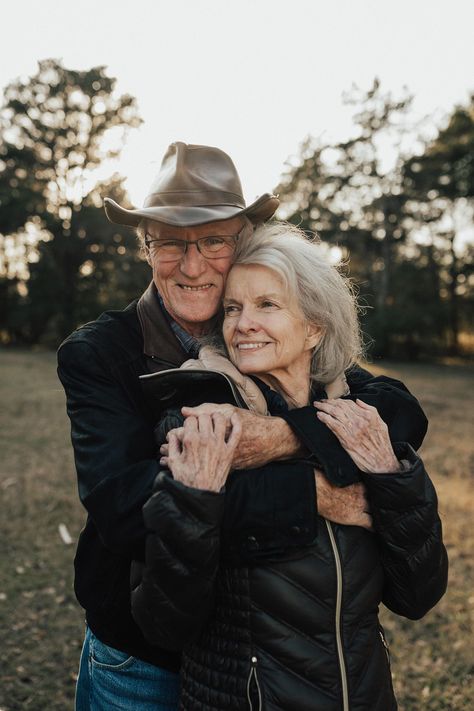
114,334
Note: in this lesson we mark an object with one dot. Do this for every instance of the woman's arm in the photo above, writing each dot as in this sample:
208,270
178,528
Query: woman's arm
174,597
405,518
173,592
403,506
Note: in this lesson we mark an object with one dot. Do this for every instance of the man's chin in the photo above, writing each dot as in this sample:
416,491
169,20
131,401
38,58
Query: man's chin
196,323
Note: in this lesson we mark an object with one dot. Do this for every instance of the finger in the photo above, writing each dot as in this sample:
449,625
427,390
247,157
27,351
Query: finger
164,450
178,431
204,424
336,408
346,406
366,406
235,432
164,461
332,422
207,408
190,425
219,424
338,428
174,445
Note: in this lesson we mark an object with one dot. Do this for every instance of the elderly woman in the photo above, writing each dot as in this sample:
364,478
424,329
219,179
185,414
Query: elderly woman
295,630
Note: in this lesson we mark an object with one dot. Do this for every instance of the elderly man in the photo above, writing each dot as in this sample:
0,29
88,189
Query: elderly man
189,225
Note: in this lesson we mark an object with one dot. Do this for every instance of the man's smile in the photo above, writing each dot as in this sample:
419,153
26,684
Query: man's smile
200,287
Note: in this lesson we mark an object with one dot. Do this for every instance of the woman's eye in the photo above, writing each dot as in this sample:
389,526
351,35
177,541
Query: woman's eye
267,304
230,309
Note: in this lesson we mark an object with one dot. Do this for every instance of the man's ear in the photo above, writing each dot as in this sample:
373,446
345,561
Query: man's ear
314,335
147,254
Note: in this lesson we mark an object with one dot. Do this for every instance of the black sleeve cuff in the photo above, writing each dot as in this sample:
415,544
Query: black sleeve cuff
398,491
324,447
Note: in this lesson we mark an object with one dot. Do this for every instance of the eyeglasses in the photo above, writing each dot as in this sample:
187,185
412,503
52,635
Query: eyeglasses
212,247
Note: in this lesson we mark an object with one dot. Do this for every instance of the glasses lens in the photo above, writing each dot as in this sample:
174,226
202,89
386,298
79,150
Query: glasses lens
170,250
167,250
216,246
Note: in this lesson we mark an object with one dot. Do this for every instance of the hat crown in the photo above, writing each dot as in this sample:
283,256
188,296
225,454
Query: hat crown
196,175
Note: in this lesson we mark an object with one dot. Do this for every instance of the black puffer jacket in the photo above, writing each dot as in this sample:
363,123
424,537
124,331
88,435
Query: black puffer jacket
291,631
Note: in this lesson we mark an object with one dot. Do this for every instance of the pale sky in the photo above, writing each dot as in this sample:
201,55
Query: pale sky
253,77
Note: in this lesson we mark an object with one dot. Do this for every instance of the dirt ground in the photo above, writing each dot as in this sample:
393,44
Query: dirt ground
41,625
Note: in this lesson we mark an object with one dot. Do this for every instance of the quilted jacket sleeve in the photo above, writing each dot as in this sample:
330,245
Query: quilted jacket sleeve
406,521
172,601
113,448
396,405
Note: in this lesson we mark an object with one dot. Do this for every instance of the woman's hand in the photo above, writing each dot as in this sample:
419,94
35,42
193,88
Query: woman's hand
200,453
361,432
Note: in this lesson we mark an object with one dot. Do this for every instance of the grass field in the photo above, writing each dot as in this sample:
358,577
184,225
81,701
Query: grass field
41,625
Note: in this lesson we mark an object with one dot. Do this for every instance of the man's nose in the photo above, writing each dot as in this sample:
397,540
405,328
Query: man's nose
192,263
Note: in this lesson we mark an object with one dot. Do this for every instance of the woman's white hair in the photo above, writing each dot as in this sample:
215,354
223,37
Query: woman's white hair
325,296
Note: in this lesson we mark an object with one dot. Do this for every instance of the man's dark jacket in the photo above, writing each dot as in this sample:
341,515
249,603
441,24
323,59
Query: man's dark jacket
116,460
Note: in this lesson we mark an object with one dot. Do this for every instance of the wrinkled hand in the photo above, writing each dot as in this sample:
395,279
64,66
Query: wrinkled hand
200,453
361,432
347,505
263,439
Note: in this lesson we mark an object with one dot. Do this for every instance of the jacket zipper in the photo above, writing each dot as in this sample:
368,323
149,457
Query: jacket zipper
253,675
340,652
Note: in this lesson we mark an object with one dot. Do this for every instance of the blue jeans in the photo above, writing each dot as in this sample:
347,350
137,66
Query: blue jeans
112,680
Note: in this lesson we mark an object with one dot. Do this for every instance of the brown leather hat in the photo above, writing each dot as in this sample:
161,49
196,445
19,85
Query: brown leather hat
195,185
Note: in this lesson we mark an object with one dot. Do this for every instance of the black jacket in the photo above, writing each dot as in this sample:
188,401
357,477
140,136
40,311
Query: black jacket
112,434
295,629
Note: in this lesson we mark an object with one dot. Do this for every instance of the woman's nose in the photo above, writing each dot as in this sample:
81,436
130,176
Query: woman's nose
246,322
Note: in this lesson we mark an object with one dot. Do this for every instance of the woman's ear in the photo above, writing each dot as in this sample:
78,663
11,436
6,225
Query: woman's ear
314,335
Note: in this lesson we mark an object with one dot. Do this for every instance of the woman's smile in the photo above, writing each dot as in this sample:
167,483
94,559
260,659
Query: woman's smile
265,331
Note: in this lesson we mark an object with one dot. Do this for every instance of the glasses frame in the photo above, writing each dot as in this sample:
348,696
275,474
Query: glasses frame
186,244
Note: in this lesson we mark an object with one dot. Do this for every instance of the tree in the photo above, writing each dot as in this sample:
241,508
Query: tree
53,128
347,194
440,186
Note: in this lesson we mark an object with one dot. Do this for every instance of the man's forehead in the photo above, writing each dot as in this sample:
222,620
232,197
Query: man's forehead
159,229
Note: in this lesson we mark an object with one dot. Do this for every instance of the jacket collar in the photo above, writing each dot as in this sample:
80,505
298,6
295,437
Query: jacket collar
159,341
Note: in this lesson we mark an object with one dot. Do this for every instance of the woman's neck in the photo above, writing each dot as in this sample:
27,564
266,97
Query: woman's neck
295,391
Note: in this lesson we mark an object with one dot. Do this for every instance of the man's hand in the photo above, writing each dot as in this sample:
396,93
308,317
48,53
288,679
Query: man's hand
347,505
263,439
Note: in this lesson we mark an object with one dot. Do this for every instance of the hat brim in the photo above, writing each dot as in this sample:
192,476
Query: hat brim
184,216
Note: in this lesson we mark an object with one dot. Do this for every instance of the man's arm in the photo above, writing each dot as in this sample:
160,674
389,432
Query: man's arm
113,447
299,432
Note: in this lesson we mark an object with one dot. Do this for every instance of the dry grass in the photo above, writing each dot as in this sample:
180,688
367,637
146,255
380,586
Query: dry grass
40,623
432,660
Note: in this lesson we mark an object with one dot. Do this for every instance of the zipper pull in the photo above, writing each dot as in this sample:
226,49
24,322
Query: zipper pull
253,676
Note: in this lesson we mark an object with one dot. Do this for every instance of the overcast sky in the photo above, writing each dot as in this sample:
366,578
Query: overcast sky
253,77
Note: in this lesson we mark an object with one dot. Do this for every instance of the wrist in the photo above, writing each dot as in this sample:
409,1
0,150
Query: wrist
391,466
285,443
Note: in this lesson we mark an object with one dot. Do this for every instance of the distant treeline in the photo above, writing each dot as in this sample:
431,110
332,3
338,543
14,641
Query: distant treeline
398,205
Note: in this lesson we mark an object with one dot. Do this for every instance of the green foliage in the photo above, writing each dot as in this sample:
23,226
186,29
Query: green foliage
53,128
